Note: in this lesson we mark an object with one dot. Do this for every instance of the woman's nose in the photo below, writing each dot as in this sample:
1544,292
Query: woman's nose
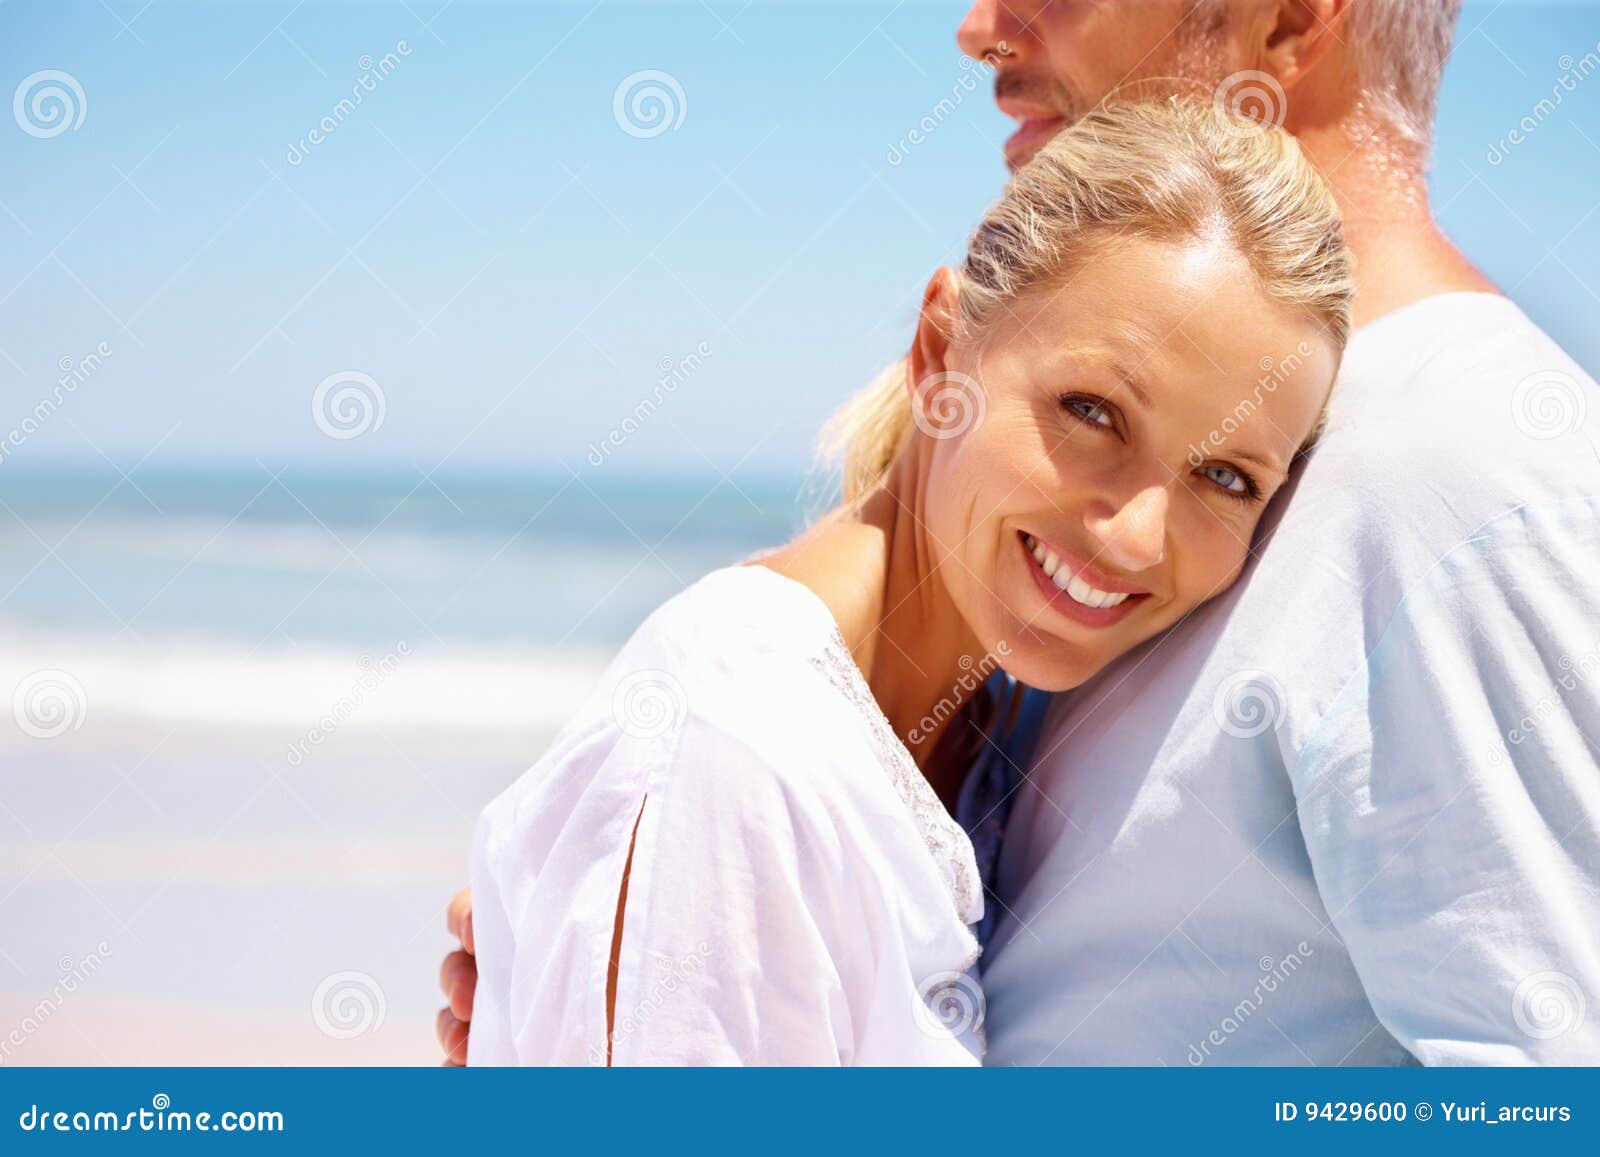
1133,536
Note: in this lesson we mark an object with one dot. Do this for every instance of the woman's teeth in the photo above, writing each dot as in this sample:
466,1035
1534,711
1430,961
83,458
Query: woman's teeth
1080,591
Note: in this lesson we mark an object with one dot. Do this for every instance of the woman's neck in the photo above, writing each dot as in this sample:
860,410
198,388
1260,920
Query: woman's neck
874,565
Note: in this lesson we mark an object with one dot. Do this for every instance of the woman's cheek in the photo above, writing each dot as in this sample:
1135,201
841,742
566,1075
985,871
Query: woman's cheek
1010,457
949,492
973,496
1207,565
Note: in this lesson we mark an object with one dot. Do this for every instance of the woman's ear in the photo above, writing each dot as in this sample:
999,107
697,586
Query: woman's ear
930,349
1299,33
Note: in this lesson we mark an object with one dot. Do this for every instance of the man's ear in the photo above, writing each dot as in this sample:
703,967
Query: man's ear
930,349
1300,34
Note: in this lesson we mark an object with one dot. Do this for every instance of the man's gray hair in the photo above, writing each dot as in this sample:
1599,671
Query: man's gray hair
1400,47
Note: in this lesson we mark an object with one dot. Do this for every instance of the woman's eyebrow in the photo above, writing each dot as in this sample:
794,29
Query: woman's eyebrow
1130,379
1100,360
1251,456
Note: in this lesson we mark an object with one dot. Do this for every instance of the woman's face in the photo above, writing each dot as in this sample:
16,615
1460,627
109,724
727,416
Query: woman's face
1098,459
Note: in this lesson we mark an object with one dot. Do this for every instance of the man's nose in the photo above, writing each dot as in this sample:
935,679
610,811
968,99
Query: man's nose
1133,536
986,25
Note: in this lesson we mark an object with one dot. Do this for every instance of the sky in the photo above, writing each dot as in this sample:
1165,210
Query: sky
495,256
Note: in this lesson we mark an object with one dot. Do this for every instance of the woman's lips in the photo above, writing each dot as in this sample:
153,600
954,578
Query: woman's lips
1063,601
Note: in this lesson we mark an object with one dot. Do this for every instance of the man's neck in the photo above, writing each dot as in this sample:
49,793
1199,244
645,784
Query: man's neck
1402,256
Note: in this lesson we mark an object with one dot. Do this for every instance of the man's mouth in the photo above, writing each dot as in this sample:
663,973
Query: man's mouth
1070,586
1031,136
1036,124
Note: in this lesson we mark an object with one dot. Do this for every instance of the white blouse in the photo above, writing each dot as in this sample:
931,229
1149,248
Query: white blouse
798,895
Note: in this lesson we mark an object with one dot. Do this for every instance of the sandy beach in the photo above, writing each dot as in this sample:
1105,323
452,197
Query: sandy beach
184,896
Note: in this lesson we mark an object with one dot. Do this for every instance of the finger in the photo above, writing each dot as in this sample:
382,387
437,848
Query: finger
451,967
452,1036
458,980
458,918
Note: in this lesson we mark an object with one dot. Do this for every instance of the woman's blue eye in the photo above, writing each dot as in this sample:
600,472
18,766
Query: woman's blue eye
1089,411
1229,480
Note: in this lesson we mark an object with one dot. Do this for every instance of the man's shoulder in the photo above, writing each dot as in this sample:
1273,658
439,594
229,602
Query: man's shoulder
1462,455
1464,372
1453,412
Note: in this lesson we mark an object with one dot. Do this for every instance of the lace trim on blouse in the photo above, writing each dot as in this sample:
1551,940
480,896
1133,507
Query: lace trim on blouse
946,841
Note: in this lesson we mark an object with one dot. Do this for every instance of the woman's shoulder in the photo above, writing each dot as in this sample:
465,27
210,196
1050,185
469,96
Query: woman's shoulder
728,689
742,653
747,653
738,697
775,711
742,612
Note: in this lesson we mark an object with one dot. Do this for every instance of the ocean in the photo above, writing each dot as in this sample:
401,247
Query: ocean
254,714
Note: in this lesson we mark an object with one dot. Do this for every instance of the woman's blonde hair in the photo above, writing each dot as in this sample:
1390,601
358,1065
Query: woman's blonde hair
1163,169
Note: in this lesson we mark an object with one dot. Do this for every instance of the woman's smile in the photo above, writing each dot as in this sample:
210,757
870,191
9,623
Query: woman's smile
1072,587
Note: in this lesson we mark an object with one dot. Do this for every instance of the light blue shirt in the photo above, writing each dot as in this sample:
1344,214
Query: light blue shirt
1348,812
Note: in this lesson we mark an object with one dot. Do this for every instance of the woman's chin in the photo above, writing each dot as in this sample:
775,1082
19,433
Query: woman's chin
1047,662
